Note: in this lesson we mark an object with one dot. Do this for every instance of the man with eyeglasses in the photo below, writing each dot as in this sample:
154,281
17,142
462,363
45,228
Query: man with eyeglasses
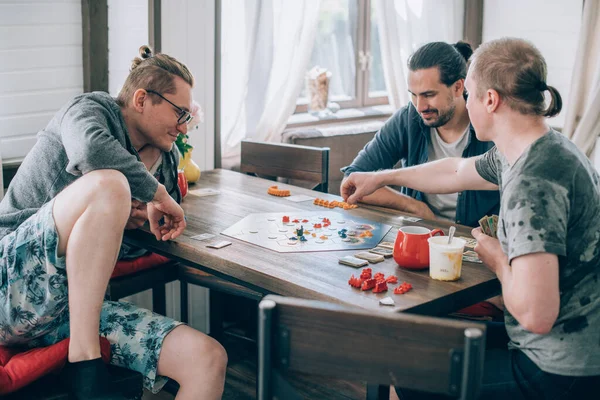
102,165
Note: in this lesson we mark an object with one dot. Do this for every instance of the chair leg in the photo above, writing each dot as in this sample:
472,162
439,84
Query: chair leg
216,314
378,392
159,299
183,296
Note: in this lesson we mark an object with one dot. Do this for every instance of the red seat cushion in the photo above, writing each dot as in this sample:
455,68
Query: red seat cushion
127,267
19,368
483,311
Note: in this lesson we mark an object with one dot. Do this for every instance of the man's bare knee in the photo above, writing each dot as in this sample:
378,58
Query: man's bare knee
103,192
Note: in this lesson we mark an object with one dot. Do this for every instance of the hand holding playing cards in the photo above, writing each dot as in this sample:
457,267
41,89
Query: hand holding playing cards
163,207
489,250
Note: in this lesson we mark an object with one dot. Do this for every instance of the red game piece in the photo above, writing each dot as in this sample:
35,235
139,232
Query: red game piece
392,279
368,284
296,221
380,287
366,273
304,221
286,219
403,288
355,282
379,276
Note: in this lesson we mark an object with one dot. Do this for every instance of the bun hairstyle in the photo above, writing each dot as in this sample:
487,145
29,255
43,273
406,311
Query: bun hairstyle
153,72
516,69
464,49
450,59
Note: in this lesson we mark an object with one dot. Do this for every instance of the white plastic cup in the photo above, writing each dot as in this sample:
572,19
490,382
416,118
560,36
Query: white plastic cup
445,260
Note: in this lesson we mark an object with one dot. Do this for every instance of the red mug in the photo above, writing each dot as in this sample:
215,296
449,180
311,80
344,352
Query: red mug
411,249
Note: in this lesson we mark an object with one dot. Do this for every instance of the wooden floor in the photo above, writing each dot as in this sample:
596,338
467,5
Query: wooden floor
240,383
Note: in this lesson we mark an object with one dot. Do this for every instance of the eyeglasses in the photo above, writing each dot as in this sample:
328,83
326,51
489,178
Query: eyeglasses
184,116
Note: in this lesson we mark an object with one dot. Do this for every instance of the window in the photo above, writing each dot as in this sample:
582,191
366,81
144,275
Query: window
347,45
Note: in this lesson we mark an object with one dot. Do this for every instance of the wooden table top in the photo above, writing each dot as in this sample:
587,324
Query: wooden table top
310,275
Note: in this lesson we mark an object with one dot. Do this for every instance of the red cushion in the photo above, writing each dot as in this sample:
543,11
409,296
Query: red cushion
19,368
126,267
483,310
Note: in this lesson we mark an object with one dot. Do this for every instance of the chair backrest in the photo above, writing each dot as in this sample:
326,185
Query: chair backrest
286,161
416,352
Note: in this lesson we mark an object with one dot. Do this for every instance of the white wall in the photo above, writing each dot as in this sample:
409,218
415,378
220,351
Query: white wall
127,31
552,25
40,68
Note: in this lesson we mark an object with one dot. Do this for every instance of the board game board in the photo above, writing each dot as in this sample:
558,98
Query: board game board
308,231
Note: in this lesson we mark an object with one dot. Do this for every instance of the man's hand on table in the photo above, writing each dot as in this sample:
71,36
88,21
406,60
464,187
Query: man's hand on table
163,207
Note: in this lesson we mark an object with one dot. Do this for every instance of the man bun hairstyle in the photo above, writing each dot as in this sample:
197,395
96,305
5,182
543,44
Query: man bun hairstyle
451,60
153,72
515,69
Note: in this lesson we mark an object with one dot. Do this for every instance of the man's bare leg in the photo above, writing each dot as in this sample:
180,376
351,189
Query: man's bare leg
196,361
90,216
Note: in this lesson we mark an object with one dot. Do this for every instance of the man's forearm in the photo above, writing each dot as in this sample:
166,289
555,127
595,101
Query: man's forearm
439,176
388,197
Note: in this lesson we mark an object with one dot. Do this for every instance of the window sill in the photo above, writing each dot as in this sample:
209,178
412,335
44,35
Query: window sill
343,115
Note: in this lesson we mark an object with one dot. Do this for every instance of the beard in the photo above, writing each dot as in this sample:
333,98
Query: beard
442,117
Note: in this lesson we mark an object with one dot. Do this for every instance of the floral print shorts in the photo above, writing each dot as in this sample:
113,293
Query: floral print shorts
34,302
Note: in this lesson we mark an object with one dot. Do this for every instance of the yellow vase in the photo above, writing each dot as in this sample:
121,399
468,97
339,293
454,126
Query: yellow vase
190,168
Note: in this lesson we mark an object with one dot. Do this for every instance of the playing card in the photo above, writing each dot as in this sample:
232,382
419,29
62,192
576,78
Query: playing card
203,236
205,192
386,245
409,219
491,226
219,245
298,198
483,222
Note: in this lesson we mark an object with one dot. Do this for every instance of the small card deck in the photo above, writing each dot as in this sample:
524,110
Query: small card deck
471,243
382,251
471,256
353,261
386,245
370,257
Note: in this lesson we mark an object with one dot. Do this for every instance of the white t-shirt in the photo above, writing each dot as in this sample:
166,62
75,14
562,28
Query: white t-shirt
444,205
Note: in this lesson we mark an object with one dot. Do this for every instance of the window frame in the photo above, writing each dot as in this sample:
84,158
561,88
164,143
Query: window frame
362,49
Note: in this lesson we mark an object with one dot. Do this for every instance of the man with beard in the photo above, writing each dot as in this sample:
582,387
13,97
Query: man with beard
435,125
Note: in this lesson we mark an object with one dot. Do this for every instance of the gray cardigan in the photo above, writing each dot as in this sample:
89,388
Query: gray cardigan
87,134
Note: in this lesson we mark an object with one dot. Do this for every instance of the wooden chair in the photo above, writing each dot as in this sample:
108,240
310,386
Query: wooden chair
422,353
286,161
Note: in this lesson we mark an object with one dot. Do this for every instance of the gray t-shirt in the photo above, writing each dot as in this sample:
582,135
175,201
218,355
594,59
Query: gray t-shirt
444,204
550,202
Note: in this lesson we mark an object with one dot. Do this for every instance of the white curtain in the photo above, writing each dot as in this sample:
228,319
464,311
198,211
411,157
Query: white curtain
582,119
266,47
404,25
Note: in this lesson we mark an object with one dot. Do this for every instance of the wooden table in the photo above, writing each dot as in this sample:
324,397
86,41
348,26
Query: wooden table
310,275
